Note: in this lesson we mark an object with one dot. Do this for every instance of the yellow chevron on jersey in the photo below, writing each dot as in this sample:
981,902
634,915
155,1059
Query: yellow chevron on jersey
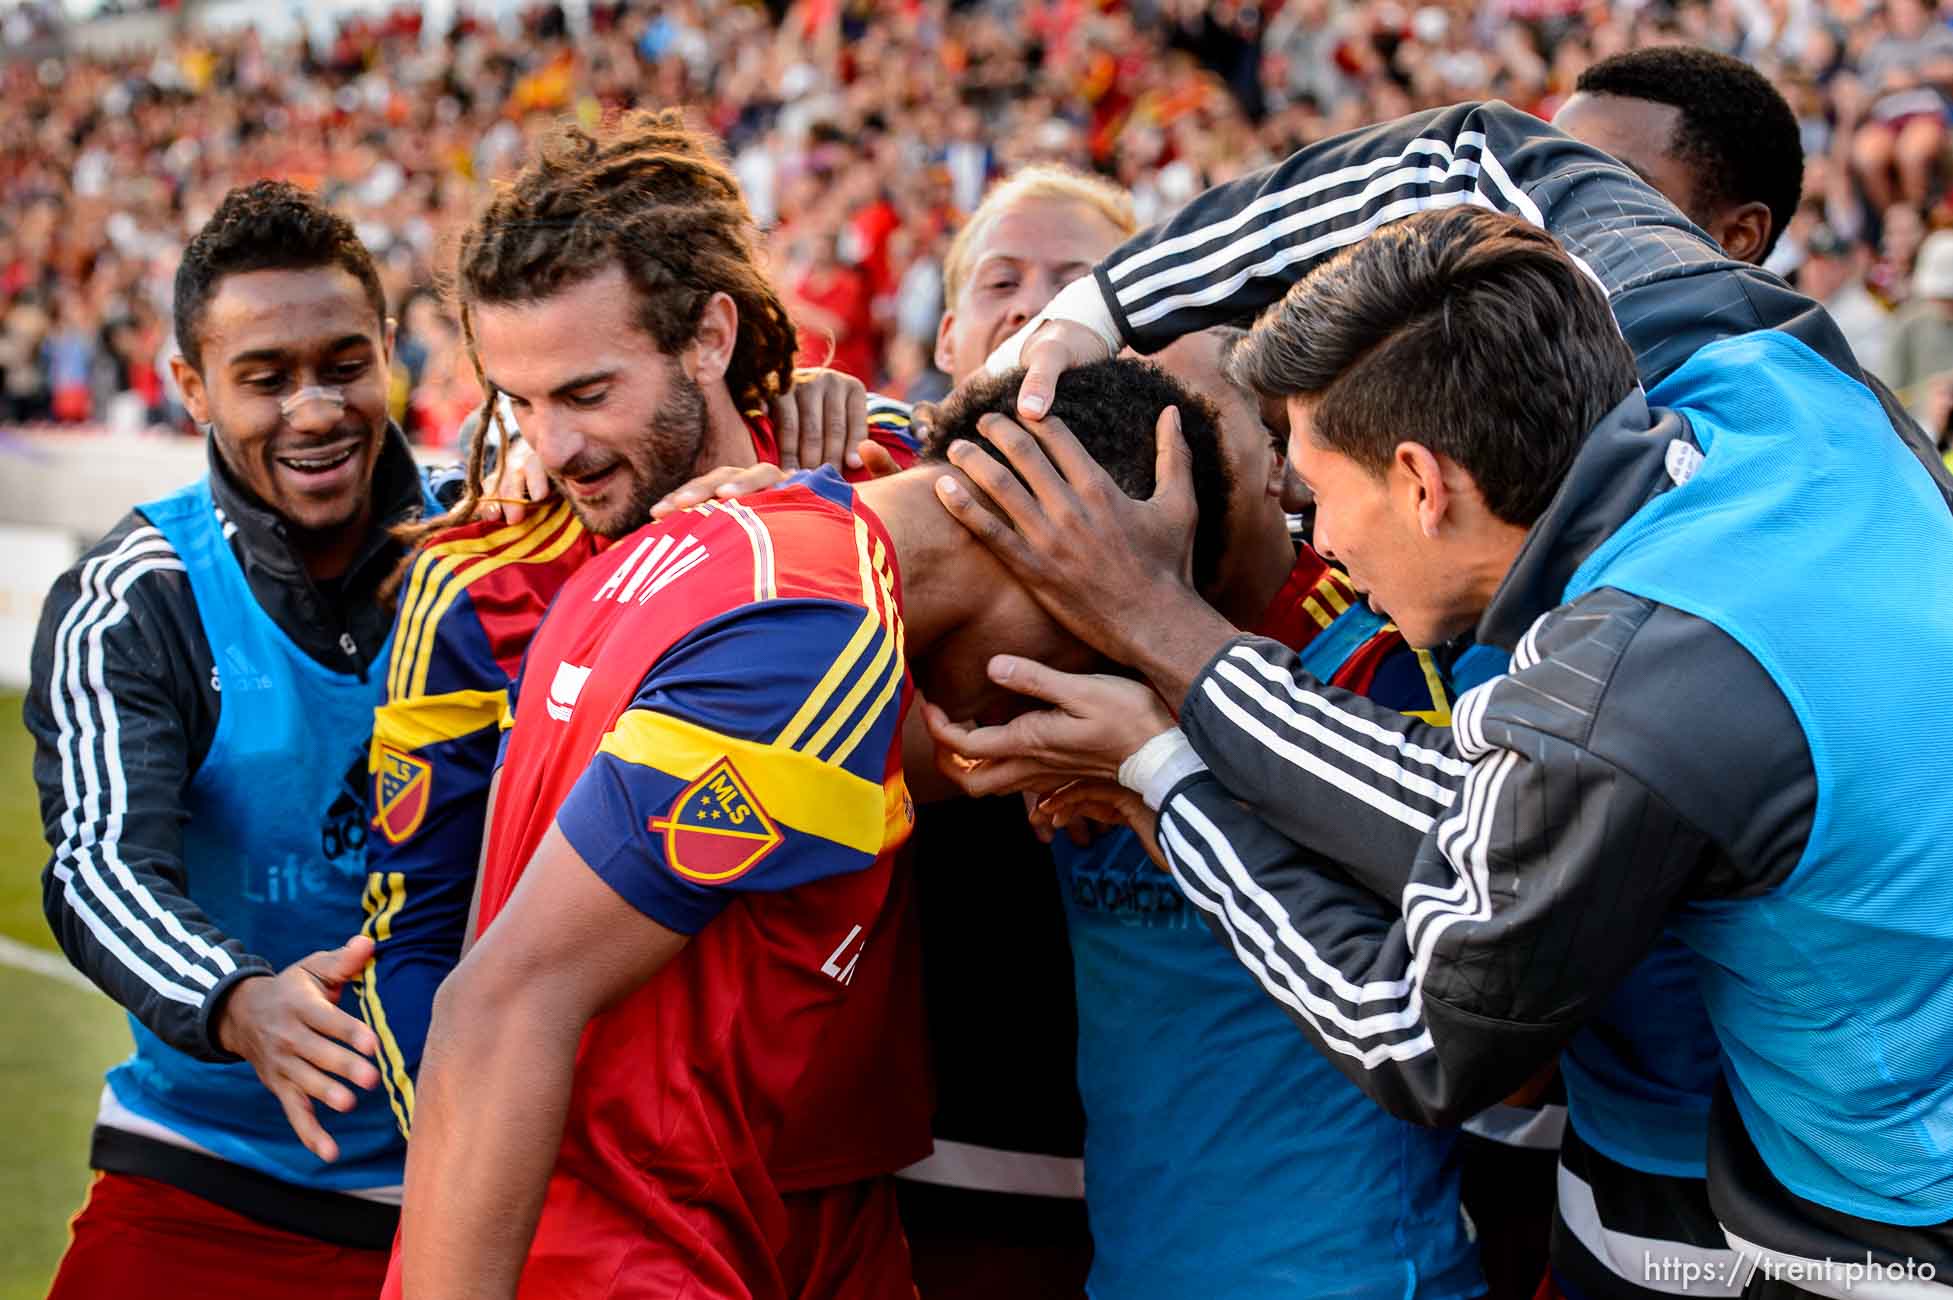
423,720
892,681
540,541
554,532
431,568
871,660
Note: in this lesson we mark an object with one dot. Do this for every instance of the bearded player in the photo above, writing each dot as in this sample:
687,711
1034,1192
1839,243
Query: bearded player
615,295
687,1049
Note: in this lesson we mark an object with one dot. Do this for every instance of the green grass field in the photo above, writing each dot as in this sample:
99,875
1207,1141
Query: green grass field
55,1041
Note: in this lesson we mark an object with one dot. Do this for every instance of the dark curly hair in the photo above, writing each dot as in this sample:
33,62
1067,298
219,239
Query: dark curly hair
1737,133
1111,407
265,226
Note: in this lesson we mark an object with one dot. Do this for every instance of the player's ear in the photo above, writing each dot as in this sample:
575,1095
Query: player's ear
945,355
196,399
1418,477
718,335
1743,230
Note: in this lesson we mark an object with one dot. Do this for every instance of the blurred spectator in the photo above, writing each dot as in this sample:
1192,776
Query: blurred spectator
1906,72
1922,337
69,360
1833,272
1898,247
860,130
831,302
23,378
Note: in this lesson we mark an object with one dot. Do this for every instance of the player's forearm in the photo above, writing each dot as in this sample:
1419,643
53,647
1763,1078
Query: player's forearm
173,976
1348,779
1336,958
1238,247
1175,643
494,1090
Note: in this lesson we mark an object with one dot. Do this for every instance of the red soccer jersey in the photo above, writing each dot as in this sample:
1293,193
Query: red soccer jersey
1319,613
473,601
712,714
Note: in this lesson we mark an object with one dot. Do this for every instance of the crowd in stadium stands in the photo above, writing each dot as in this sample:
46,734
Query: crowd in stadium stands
861,130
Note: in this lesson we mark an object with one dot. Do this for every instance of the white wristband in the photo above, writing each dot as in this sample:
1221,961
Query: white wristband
1079,302
1160,764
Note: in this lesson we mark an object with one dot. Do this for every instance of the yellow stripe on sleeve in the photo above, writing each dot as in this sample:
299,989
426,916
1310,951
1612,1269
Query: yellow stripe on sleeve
382,904
396,895
431,569
845,662
876,671
796,789
424,720
530,550
880,702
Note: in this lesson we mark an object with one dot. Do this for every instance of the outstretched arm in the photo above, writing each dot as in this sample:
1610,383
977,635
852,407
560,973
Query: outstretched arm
495,1083
1438,985
1237,248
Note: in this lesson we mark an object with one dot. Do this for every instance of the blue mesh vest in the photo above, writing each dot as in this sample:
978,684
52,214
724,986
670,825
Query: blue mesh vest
1831,994
274,850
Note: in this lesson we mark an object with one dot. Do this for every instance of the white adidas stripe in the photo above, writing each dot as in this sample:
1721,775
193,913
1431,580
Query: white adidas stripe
79,680
1308,187
1277,232
1287,991
1359,724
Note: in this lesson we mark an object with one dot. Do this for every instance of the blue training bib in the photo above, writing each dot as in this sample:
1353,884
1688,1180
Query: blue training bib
274,851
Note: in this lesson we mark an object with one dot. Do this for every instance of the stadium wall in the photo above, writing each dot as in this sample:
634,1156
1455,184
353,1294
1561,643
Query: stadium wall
59,492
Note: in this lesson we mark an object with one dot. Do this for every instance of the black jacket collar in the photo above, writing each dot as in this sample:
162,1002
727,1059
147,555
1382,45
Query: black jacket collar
1619,468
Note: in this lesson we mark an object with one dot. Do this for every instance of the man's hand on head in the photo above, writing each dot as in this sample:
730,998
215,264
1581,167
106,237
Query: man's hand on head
290,1028
1053,348
1074,329
1097,722
1111,570
821,420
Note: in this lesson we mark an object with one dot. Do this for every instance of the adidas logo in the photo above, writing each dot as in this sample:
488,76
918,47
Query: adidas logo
651,568
240,672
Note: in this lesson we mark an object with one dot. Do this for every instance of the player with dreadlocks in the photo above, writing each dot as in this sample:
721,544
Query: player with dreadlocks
613,300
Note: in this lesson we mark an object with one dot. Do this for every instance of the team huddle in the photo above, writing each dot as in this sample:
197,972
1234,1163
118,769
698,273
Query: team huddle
1314,770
